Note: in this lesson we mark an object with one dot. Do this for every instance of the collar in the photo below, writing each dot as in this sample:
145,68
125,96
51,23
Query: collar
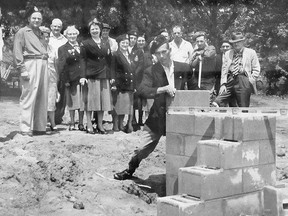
171,66
58,38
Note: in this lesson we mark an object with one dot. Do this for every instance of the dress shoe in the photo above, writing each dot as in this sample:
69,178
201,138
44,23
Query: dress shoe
53,128
90,131
72,127
125,174
29,133
103,131
81,127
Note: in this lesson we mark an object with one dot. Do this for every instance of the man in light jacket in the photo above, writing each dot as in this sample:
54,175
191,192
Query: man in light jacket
239,73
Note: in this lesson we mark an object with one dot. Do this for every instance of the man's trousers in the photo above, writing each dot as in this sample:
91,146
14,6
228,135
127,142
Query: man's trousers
149,143
239,88
34,97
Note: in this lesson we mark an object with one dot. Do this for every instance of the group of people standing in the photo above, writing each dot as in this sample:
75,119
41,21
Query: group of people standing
101,74
97,75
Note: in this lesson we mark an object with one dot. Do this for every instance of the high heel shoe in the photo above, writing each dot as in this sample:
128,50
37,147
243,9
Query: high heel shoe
53,128
101,131
89,131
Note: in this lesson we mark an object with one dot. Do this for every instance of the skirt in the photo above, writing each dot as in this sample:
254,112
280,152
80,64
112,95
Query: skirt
52,89
73,97
124,103
99,96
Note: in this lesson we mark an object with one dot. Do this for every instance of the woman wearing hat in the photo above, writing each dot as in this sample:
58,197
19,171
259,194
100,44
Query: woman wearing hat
124,81
95,75
69,67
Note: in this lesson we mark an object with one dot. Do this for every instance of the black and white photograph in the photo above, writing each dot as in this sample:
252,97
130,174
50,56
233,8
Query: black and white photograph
143,107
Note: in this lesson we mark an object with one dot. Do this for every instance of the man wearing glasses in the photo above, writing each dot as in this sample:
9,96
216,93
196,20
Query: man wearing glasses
159,82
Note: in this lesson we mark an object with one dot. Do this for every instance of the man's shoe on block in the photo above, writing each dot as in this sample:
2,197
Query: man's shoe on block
125,174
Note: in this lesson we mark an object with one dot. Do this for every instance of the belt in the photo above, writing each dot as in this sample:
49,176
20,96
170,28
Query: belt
231,74
43,57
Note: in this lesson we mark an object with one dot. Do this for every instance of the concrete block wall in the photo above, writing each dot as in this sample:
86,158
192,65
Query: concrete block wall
218,163
254,147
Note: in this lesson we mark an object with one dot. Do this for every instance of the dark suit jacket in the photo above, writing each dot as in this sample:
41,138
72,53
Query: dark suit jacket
95,60
142,60
124,73
155,77
68,63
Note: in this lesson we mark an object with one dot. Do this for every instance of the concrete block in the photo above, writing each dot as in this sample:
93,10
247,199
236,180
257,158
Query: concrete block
256,177
250,153
227,154
219,154
171,184
244,204
183,205
174,162
209,184
181,144
180,123
228,128
275,201
189,98
254,127
267,151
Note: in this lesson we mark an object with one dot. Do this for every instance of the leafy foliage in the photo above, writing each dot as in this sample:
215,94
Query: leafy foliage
264,22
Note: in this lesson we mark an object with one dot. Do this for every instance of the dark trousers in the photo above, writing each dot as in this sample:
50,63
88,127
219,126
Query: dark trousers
61,105
150,140
238,88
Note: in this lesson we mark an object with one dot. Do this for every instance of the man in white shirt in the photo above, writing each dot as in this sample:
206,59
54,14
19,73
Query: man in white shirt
55,41
181,50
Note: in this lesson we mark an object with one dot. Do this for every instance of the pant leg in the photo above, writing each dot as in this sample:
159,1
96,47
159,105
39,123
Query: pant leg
41,105
149,143
243,90
30,95
224,98
61,104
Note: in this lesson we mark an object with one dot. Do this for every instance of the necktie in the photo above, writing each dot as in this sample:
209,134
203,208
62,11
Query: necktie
236,63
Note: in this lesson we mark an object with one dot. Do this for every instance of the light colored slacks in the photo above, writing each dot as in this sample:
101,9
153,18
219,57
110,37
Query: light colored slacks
34,97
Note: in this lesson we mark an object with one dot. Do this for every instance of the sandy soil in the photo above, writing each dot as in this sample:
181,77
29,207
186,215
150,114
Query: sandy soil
60,173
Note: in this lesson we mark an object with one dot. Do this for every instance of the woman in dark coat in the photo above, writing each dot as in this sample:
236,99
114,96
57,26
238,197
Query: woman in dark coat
69,69
95,55
125,84
142,59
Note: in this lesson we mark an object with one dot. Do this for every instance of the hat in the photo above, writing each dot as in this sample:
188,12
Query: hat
31,10
157,42
133,32
199,34
94,21
122,37
236,37
162,30
106,26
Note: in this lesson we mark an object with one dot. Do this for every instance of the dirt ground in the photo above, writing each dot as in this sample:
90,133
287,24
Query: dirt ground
62,173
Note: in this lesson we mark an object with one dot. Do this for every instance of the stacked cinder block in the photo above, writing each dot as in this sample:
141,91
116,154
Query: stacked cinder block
218,163
181,138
